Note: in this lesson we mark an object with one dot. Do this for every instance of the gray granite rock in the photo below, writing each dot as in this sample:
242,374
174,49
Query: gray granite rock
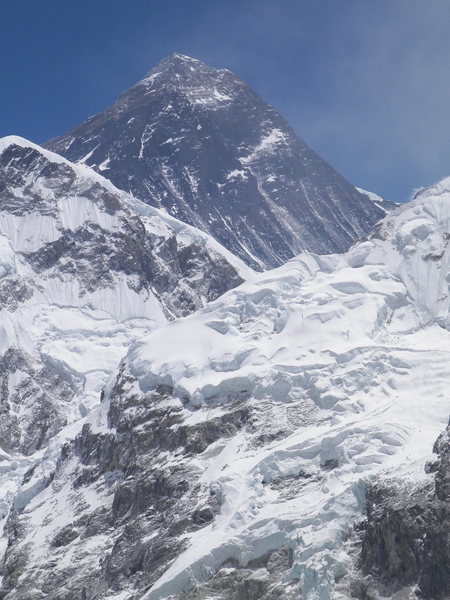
406,538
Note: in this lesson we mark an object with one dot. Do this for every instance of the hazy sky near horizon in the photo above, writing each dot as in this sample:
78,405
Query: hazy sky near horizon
366,83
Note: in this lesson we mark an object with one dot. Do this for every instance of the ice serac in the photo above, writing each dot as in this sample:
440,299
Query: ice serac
84,270
231,455
198,142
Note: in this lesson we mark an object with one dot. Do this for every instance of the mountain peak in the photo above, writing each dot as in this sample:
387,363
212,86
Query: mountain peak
179,70
177,57
10,141
200,143
176,61
15,140
180,61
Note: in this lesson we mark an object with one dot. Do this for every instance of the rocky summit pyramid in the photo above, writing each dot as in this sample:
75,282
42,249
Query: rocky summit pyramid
200,143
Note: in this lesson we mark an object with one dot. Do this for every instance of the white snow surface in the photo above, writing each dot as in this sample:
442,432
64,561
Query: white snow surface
376,199
346,357
350,354
81,335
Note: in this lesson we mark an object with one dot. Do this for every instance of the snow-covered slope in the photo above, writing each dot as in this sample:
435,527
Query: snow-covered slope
382,203
230,456
84,270
77,254
200,143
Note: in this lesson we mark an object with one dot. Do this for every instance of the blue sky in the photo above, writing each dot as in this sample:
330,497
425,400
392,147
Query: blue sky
365,82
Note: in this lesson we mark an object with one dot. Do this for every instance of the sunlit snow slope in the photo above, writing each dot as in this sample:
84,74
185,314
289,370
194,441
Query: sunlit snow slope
84,270
232,452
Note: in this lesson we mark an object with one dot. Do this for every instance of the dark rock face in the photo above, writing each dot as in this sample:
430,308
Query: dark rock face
147,505
14,291
32,411
260,579
442,466
406,539
201,144
19,193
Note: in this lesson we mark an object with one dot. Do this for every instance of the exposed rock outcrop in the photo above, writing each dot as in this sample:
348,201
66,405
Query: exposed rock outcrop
406,538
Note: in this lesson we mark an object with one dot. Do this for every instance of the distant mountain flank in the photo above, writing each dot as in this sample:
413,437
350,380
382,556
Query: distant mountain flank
200,143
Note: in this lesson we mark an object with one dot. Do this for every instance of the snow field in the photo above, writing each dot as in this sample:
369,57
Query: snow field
357,343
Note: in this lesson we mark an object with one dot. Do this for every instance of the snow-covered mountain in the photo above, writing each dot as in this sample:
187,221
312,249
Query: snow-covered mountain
238,451
84,270
201,144
383,203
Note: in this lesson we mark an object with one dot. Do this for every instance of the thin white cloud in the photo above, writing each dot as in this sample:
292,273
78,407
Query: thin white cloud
390,98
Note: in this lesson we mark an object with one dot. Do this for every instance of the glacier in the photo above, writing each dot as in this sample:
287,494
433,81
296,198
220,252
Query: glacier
233,448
